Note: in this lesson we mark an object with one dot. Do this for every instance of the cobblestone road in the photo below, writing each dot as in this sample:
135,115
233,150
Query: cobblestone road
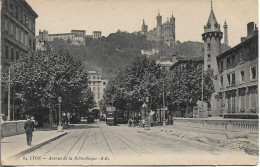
98,143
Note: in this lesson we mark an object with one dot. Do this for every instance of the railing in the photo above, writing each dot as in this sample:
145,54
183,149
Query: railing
10,128
236,125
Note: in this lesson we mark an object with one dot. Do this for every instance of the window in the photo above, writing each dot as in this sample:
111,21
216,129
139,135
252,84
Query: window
11,28
209,46
228,78
33,45
253,100
208,66
242,93
233,78
241,56
221,65
208,57
30,43
228,62
228,104
221,80
242,76
6,24
98,89
233,101
94,89
16,11
17,33
22,37
104,83
12,53
94,77
6,51
253,73
17,55
233,60
98,95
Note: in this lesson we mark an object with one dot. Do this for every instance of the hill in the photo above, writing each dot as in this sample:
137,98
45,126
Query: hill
118,49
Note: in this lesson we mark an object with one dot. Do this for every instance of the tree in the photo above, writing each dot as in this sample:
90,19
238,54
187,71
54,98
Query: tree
134,83
183,84
43,77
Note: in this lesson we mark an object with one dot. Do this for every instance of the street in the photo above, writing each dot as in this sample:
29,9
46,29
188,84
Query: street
101,144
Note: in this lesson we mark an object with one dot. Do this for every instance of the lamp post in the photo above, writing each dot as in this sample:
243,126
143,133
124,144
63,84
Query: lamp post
164,124
60,127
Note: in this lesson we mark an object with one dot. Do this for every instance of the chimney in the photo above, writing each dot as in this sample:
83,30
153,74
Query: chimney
250,29
256,30
243,39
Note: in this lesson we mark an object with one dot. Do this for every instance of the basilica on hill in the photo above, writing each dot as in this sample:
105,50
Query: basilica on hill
163,32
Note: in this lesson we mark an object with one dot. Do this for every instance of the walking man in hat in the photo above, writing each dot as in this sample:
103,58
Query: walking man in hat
29,128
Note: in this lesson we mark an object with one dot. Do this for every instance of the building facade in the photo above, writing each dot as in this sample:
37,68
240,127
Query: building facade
42,41
238,78
97,35
18,30
164,32
97,86
76,37
17,38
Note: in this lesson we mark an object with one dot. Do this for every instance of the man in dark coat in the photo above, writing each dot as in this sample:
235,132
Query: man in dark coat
29,128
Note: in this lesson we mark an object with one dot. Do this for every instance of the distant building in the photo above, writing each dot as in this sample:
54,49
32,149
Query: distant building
164,32
168,62
17,37
97,86
238,78
97,34
42,41
76,37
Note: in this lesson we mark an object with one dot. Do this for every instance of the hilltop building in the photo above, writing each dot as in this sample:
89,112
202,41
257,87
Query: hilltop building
17,38
238,78
97,35
97,86
76,37
163,32
42,41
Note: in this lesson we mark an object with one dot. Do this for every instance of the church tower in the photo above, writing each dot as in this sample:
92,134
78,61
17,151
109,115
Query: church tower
212,48
144,28
159,26
225,33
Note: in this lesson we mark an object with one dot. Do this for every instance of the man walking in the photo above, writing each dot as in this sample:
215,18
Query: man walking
29,128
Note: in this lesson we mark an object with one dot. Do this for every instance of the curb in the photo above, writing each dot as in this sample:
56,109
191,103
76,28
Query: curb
20,154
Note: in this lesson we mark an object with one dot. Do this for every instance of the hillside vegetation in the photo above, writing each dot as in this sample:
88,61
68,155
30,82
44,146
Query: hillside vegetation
118,49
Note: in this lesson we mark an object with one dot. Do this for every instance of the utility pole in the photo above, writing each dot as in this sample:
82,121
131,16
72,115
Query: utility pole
202,82
9,98
164,124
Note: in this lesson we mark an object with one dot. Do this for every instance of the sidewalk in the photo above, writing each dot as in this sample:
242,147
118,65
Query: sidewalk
15,146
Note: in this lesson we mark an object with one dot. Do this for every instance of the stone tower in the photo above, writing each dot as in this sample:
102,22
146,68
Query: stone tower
225,33
212,48
172,21
144,27
159,26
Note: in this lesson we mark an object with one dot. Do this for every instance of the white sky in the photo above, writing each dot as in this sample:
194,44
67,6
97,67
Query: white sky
60,16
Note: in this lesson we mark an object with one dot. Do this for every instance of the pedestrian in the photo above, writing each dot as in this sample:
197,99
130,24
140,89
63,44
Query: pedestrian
29,128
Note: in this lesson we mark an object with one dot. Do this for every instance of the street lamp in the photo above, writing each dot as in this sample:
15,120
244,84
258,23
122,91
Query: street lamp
164,108
60,127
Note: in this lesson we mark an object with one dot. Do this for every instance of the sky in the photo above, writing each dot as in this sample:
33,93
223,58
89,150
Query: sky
61,16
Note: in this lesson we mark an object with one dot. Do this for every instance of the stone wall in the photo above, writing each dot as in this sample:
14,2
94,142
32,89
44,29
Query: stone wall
236,125
10,128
